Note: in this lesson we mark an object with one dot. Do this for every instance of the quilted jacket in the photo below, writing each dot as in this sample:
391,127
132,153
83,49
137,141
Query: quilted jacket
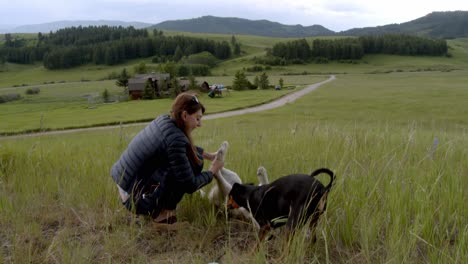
158,155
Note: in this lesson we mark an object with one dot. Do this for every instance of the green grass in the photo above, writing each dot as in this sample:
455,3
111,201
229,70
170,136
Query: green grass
61,106
397,142
398,197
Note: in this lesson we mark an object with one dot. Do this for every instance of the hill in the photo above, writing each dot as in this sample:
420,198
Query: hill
450,24
54,26
232,25
453,24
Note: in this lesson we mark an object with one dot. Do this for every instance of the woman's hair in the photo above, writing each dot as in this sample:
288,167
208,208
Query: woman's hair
187,102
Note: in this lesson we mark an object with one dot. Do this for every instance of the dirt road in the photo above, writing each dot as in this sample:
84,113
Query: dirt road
274,104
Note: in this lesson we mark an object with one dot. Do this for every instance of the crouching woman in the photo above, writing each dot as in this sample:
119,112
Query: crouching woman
161,163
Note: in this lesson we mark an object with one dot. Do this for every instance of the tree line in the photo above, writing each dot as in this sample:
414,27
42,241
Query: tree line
299,51
75,46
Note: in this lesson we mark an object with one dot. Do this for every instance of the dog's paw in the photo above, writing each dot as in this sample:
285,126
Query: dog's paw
262,176
261,171
221,153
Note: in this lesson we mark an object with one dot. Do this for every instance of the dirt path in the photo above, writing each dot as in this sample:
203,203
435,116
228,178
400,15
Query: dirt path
274,104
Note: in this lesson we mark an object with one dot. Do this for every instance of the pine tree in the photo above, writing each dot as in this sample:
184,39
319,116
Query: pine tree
256,82
105,96
240,81
178,54
122,80
148,92
263,81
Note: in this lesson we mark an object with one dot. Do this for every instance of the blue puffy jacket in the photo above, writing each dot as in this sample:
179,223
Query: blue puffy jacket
158,154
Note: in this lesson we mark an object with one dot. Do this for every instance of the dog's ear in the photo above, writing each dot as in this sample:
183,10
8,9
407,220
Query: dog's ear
235,186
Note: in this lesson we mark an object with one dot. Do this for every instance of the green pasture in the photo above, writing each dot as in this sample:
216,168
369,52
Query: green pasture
72,105
19,75
393,128
397,142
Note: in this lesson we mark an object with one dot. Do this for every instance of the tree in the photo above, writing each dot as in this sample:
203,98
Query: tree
122,80
169,67
256,82
263,81
240,81
178,54
8,40
105,96
148,92
193,82
183,70
237,49
233,40
175,87
140,68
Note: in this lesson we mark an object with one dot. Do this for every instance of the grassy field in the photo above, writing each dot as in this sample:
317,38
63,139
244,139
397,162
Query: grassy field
60,106
393,128
397,142
18,75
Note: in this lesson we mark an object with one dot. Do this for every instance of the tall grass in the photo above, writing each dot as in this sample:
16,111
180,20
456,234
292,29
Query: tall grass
399,196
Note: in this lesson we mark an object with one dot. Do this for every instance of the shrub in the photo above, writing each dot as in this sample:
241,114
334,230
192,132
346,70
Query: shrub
34,90
199,70
321,60
4,98
105,96
204,58
255,68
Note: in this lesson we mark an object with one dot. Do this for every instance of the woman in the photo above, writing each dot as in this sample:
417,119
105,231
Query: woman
161,163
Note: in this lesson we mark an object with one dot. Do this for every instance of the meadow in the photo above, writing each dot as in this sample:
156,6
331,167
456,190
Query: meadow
392,128
397,143
73,105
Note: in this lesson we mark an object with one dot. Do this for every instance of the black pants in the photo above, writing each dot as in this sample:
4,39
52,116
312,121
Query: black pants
154,200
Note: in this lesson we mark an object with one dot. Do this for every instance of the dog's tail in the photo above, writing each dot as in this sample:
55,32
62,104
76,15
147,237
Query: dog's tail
327,171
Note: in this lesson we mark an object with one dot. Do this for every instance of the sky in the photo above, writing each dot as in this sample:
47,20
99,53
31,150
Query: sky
336,15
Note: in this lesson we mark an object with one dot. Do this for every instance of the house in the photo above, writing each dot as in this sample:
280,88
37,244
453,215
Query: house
202,85
160,82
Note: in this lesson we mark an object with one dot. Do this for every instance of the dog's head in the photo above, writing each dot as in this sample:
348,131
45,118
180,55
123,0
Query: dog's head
239,195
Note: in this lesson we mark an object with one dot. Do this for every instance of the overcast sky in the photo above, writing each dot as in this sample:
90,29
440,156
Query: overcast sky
336,15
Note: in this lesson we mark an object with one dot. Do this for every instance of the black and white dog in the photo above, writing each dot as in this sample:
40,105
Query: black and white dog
296,197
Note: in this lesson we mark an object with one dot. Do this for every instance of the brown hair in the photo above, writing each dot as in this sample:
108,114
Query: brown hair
187,102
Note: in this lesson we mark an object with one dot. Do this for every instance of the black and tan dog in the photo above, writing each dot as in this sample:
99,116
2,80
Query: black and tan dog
296,197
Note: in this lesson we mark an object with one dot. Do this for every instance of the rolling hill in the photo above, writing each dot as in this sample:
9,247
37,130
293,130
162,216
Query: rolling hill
452,24
232,25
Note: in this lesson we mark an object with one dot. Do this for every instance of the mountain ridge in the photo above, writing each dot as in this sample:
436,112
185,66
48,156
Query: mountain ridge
56,25
445,24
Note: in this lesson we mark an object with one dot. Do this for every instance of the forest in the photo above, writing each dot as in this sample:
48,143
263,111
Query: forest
322,50
75,46
104,45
